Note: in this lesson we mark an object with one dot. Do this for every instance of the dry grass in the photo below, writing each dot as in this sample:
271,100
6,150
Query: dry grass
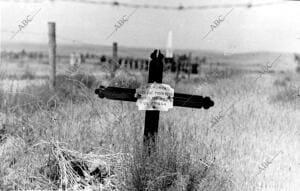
190,154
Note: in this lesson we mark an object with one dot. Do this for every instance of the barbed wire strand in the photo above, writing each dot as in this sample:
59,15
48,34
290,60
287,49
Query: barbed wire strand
162,7
131,5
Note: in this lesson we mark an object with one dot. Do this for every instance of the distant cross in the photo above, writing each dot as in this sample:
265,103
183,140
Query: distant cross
152,116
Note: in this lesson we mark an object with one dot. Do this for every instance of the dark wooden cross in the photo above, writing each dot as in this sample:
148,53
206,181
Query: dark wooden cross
152,116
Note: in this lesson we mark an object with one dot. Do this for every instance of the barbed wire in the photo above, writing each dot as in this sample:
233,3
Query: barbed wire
162,7
132,5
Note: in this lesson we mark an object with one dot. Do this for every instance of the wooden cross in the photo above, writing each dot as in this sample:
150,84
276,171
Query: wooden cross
152,116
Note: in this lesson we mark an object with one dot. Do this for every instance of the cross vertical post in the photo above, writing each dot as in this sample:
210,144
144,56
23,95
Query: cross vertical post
152,117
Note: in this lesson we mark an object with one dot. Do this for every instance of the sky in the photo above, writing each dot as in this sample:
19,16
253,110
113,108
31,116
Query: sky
265,28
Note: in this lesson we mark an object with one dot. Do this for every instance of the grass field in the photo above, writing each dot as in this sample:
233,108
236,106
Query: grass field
254,144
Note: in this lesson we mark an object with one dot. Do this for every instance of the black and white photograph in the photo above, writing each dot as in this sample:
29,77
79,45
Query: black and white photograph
150,95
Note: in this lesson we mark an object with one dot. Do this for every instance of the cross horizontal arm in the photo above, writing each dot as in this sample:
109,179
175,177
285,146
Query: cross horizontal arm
180,100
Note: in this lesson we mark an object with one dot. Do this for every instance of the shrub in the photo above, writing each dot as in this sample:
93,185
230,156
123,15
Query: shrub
75,88
29,74
29,99
88,80
282,82
125,80
289,94
171,167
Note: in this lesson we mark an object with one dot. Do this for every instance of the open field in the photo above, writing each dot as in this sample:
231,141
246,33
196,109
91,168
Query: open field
254,144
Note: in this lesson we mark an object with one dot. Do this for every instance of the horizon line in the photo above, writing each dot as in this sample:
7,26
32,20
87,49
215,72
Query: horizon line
160,48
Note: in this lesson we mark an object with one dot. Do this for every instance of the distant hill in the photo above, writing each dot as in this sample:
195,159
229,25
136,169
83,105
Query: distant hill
286,61
66,49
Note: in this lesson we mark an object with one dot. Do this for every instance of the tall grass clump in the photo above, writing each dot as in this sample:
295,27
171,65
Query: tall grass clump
173,165
72,140
288,96
287,92
29,74
52,166
125,79
68,88
123,162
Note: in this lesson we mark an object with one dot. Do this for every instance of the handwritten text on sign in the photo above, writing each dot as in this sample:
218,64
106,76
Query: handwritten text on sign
155,96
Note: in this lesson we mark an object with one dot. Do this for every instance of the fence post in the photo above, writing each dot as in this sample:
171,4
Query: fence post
142,65
115,51
178,68
189,65
126,63
52,54
199,62
130,63
136,64
146,65
114,65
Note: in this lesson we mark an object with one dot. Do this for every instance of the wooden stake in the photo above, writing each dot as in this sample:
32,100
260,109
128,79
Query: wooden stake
115,51
114,65
52,54
189,66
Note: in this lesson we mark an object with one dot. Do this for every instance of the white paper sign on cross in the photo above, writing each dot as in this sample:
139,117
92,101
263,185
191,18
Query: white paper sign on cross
154,96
